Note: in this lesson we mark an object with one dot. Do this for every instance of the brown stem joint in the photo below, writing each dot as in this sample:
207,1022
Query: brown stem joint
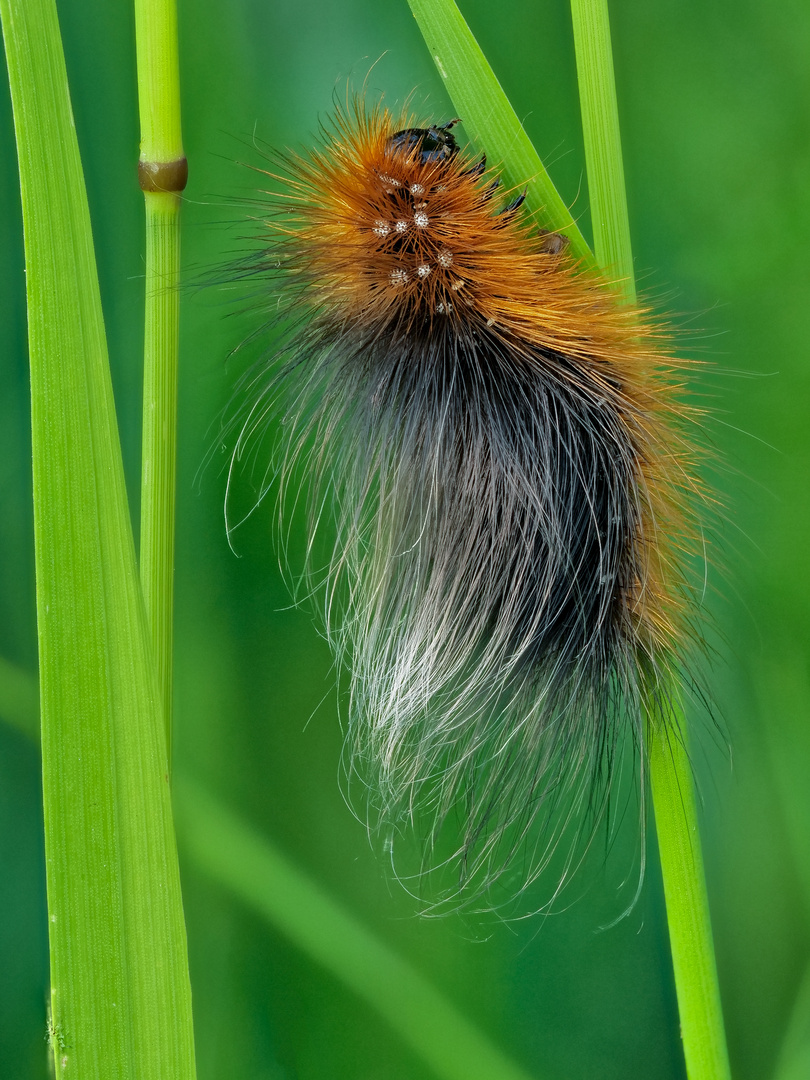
163,175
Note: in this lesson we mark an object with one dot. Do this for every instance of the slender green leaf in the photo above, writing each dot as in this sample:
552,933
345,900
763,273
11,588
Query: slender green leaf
603,148
488,116
690,931
120,997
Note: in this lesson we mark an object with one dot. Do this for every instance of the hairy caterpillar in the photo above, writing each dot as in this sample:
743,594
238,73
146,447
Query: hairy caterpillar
504,451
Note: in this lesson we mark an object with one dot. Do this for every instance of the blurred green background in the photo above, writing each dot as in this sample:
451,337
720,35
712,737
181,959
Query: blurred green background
716,131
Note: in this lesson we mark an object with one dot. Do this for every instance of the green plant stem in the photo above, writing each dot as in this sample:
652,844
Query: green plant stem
158,80
159,444
702,1030
162,167
120,997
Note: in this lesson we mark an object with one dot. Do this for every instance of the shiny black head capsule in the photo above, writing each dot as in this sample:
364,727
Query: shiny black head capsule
427,144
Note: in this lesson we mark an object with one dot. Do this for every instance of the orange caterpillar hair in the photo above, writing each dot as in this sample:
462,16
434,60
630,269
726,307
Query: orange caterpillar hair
505,451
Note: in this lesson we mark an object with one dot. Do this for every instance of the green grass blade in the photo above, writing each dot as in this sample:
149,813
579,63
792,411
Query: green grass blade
603,151
236,856
120,997
162,166
690,932
489,118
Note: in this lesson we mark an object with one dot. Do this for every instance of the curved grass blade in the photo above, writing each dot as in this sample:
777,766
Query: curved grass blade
488,116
